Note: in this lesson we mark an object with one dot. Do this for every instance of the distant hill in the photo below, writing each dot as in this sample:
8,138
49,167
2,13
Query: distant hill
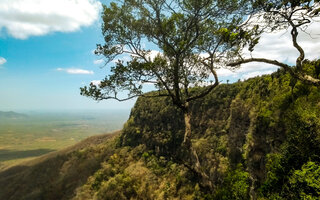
12,115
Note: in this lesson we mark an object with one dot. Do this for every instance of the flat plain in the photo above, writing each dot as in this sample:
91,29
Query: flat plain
38,133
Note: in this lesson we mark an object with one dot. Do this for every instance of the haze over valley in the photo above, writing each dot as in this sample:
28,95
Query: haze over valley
24,136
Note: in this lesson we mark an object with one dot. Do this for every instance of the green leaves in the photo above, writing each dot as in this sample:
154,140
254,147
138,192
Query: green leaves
306,182
188,34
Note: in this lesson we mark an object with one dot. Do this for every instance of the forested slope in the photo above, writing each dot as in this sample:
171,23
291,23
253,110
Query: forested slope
257,139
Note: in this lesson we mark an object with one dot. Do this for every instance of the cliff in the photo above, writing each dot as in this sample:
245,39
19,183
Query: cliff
257,139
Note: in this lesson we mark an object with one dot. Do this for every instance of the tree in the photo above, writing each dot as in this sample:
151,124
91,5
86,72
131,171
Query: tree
190,36
274,15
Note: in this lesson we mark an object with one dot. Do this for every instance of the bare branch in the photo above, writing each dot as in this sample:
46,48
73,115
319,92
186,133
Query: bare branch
209,88
307,79
263,60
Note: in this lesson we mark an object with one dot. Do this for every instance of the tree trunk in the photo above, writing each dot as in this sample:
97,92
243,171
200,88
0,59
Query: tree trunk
190,153
187,131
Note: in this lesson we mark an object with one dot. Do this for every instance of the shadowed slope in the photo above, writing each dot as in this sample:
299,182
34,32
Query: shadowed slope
57,174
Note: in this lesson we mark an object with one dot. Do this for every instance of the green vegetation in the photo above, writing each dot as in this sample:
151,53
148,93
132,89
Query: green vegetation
257,139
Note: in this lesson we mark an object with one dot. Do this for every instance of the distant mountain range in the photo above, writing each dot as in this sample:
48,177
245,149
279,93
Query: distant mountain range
11,115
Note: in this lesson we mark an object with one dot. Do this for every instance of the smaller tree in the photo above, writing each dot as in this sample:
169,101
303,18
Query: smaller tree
273,15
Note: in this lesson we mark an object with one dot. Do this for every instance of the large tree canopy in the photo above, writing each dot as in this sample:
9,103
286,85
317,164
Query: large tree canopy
192,38
274,15
189,35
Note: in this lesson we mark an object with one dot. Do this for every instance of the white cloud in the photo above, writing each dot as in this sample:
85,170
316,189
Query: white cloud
255,73
127,57
2,60
75,71
98,62
96,82
25,18
152,54
222,72
278,46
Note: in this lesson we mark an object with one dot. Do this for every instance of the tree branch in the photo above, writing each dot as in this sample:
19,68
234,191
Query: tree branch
116,98
210,88
307,79
263,60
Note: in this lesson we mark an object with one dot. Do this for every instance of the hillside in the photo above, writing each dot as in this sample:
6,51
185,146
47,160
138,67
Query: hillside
257,139
11,115
58,174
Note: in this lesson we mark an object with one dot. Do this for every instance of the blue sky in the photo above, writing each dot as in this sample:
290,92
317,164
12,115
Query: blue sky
41,72
46,54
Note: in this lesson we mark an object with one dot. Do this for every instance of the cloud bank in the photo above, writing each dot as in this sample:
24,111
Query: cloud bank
75,71
24,18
